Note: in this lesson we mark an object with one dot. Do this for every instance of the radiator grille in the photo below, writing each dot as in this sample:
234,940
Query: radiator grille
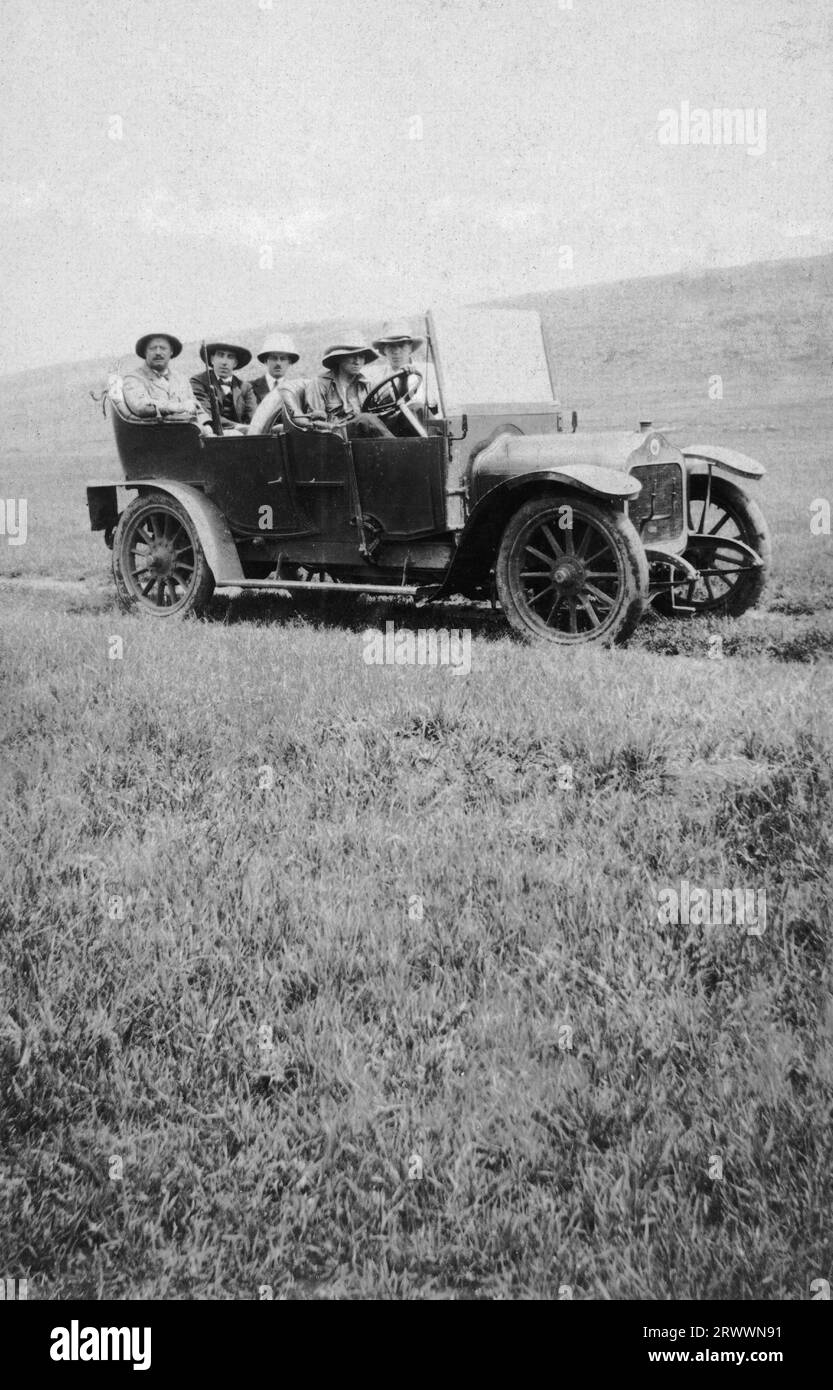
657,512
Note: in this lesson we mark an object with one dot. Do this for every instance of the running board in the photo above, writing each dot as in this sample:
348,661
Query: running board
405,590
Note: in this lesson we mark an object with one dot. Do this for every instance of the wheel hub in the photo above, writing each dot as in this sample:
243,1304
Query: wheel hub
569,574
161,559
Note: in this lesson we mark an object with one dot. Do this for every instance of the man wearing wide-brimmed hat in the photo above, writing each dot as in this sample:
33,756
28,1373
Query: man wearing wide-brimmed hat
397,345
278,354
154,390
235,397
336,396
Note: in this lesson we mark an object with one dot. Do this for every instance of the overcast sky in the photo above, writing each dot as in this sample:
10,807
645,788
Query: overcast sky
200,166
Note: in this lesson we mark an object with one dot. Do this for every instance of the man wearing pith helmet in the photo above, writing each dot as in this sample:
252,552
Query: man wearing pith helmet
278,354
336,396
235,397
155,390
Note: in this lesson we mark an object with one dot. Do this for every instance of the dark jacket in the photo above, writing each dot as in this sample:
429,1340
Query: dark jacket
237,408
261,386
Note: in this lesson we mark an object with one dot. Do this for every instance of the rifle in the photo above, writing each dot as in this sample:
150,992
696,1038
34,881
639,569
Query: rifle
216,417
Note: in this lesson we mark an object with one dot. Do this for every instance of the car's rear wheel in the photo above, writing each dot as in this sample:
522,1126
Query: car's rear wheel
570,572
730,582
158,563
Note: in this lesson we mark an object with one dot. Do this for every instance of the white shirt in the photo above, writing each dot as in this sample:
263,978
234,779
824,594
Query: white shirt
427,387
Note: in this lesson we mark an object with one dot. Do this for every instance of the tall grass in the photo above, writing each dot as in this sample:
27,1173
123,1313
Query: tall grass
326,1048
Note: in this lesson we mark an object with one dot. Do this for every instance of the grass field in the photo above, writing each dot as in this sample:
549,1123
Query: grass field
318,981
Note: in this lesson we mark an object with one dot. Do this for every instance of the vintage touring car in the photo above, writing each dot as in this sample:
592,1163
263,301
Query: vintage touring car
493,495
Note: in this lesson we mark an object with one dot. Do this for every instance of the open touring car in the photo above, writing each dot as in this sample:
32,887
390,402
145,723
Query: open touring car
493,494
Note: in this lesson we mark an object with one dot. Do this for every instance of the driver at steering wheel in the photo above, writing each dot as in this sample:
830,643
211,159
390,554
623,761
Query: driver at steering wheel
397,346
335,398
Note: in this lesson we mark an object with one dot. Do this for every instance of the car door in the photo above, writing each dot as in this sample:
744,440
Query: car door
250,479
401,484
319,466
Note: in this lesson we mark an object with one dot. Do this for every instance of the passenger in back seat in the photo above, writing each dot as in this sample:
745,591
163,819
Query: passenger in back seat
155,391
235,397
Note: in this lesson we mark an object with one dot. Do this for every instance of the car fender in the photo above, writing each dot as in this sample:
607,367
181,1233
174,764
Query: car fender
700,458
587,477
210,524
477,542
593,477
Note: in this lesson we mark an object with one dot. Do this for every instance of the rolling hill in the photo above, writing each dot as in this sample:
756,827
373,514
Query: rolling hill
632,348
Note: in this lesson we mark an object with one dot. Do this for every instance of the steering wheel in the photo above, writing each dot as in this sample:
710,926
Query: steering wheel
385,409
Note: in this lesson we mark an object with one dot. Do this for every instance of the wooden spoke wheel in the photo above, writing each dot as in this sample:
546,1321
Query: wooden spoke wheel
572,585
730,582
159,566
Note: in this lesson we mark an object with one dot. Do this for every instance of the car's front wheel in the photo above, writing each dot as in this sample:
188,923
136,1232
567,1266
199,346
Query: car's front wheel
159,566
571,572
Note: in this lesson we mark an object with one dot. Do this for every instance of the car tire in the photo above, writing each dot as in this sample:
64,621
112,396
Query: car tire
728,504
545,585
159,565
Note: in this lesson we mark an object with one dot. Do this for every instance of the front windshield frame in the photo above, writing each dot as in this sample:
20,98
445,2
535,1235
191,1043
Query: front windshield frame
535,387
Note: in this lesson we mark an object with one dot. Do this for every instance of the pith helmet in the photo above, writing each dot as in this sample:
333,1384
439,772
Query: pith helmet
279,342
396,331
351,343
242,354
142,345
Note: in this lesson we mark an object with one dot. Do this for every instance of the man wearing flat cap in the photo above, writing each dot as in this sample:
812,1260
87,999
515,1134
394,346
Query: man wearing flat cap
235,397
154,390
336,396
278,354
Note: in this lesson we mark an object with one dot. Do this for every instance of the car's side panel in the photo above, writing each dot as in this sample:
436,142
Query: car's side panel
699,457
401,483
247,478
318,463
172,450
251,481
